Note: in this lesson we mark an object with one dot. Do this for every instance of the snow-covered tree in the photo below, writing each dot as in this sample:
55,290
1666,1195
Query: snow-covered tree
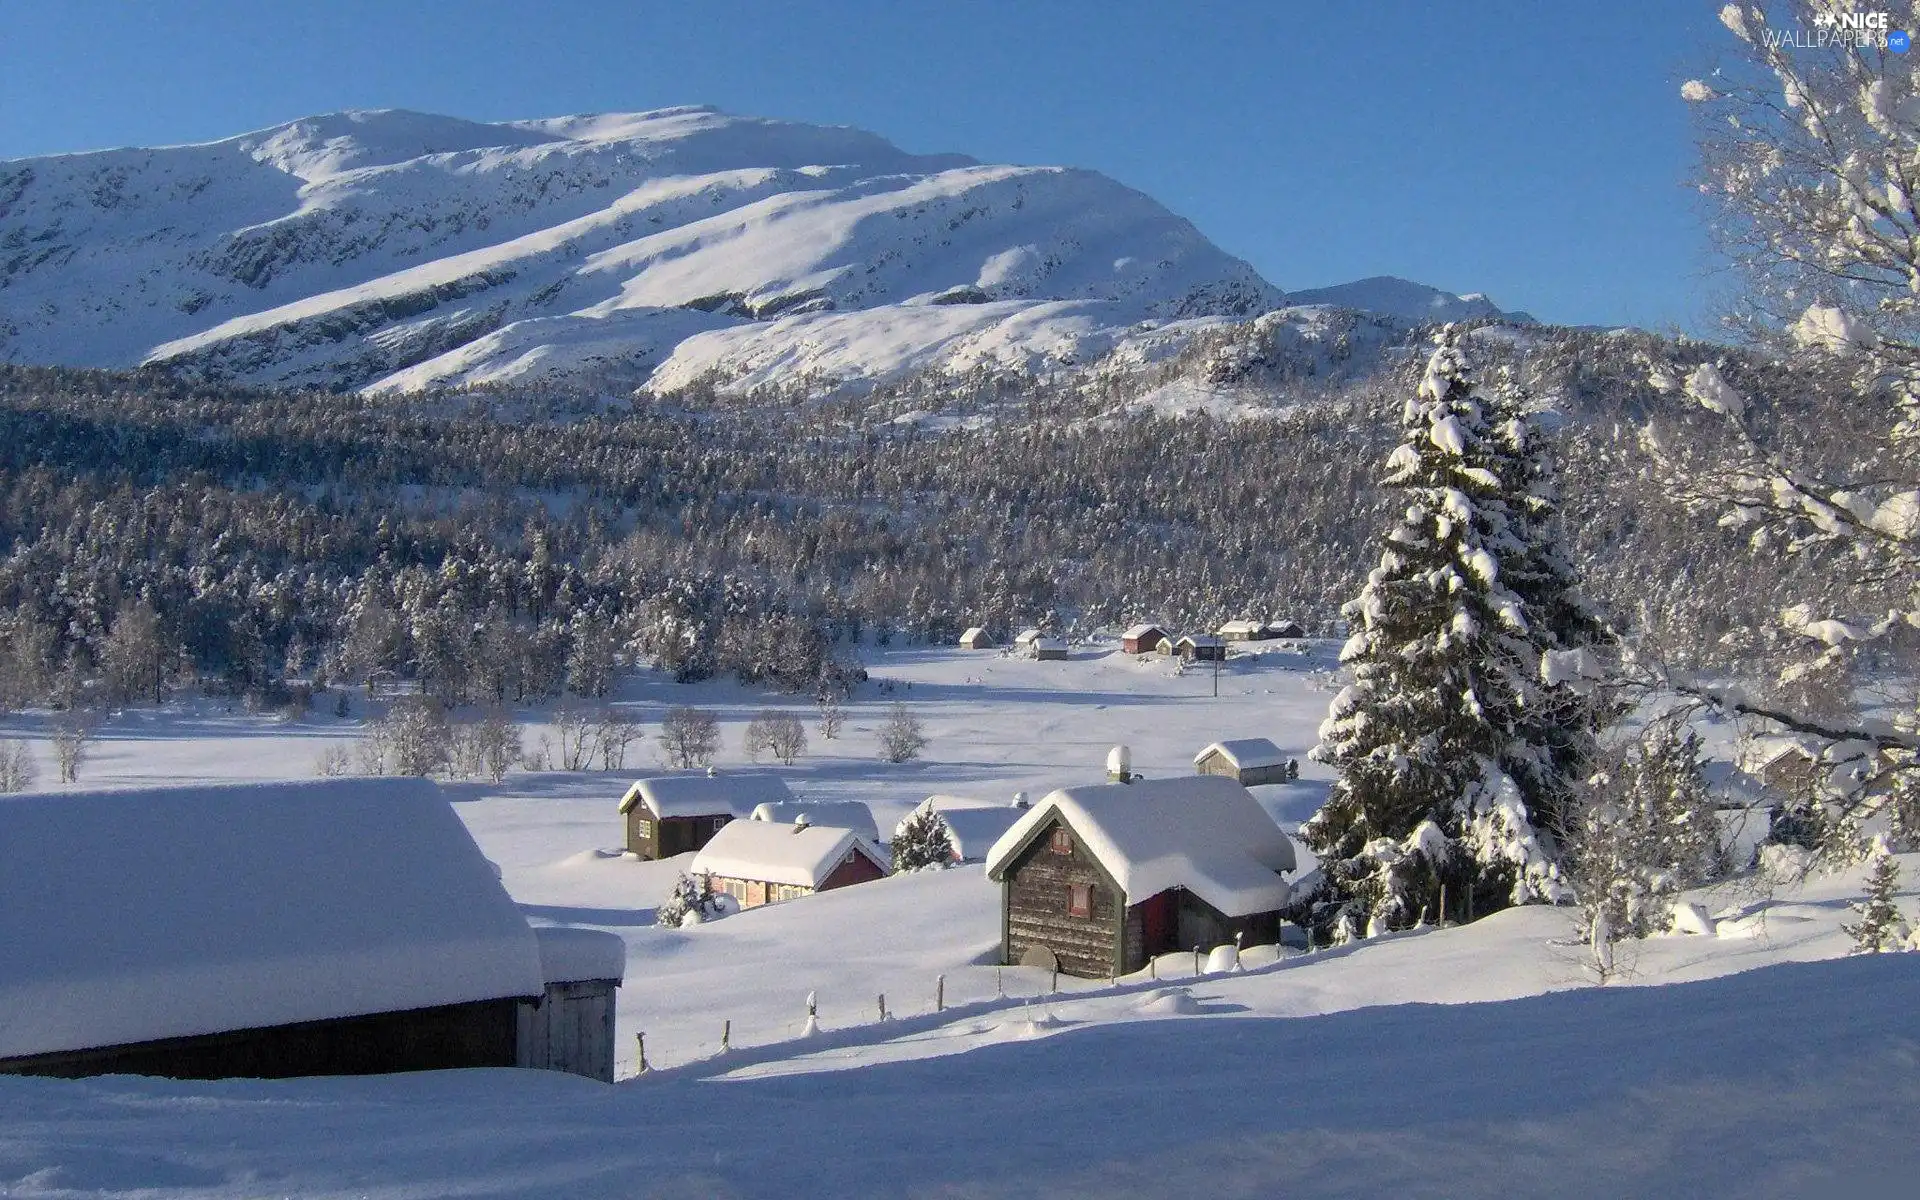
1449,737
1879,924
922,839
901,737
691,897
689,737
1811,159
17,768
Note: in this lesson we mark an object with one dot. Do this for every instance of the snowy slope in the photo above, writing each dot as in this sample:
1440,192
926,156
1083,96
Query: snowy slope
399,249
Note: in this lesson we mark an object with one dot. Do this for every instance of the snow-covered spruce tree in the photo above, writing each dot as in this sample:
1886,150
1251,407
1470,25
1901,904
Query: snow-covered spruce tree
1811,159
1878,928
1448,737
922,839
690,897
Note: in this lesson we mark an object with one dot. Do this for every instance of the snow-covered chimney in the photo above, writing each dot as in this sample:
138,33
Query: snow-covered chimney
712,770
1019,799
1119,765
801,821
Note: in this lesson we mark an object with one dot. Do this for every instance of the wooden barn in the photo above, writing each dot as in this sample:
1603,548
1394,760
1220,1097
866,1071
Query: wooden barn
976,639
1142,639
1285,629
1785,766
835,814
1050,649
1026,638
679,813
1096,880
758,862
1247,761
333,927
972,825
1201,647
1243,631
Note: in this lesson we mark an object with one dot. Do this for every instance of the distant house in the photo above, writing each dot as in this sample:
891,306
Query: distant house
331,927
1247,761
1201,647
673,814
1785,765
1143,639
1026,637
972,825
1096,880
1285,629
1049,649
976,639
837,814
759,862
1243,631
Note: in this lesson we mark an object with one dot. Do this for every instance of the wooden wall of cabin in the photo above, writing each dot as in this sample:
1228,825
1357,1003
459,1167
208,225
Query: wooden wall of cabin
570,1030
1039,886
477,1034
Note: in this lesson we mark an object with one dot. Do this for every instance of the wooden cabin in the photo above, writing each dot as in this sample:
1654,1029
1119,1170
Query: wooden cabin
1026,637
1785,766
1142,639
973,826
976,639
1285,629
1201,647
1243,631
759,862
1249,762
329,927
834,814
1050,649
1096,880
679,813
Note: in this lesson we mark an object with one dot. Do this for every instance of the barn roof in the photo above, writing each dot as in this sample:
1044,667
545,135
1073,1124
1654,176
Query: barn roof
1205,833
134,915
1140,631
1026,635
1242,626
802,855
1049,643
973,631
698,794
974,824
1245,753
836,814
1199,639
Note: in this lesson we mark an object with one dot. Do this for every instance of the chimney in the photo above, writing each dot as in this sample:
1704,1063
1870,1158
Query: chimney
1019,799
1119,765
801,822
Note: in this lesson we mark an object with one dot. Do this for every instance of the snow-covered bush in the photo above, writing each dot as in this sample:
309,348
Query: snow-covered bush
1879,926
922,840
691,902
17,769
901,738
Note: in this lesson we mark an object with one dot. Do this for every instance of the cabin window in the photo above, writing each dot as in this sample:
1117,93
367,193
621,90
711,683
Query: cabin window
1061,842
1080,900
718,822
643,828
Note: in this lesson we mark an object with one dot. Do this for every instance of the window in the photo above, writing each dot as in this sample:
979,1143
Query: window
1061,842
643,828
1080,900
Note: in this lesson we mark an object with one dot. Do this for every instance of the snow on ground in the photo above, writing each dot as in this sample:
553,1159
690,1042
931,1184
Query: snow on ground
1475,1059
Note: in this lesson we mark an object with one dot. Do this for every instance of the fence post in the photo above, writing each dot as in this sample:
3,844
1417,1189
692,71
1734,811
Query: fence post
1153,967
999,984
883,1006
641,1039
1237,938
726,1035
1443,906
1196,960
1056,980
940,994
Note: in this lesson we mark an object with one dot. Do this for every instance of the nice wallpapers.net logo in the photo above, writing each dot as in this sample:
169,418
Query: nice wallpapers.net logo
1844,31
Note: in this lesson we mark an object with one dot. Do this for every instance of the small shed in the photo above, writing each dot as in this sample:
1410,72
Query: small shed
1027,637
1786,766
972,825
1142,639
677,813
976,639
835,814
1201,647
329,927
1050,649
1098,879
1243,631
1285,629
758,862
1247,761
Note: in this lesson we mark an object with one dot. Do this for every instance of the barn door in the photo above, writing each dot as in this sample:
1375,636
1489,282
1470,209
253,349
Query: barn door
1156,924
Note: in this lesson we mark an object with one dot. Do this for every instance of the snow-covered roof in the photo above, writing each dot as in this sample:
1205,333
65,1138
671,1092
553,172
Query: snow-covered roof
1242,626
1205,833
1140,631
974,824
133,915
1764,752
973,632
1198,639
802,855
1245,753
836,814
698,794
1026,635
569,955
1049,643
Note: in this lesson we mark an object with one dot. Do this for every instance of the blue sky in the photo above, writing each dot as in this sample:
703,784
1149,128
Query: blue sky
1534,151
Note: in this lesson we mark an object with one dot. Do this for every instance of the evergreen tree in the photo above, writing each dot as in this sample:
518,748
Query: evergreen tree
1875,930
691,898
1446,677
922,839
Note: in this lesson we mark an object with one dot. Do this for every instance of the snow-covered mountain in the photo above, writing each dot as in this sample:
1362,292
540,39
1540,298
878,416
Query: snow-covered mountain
395,250
1388,296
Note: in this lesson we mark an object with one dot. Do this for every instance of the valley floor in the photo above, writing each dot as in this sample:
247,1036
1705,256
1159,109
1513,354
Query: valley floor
1452,1062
